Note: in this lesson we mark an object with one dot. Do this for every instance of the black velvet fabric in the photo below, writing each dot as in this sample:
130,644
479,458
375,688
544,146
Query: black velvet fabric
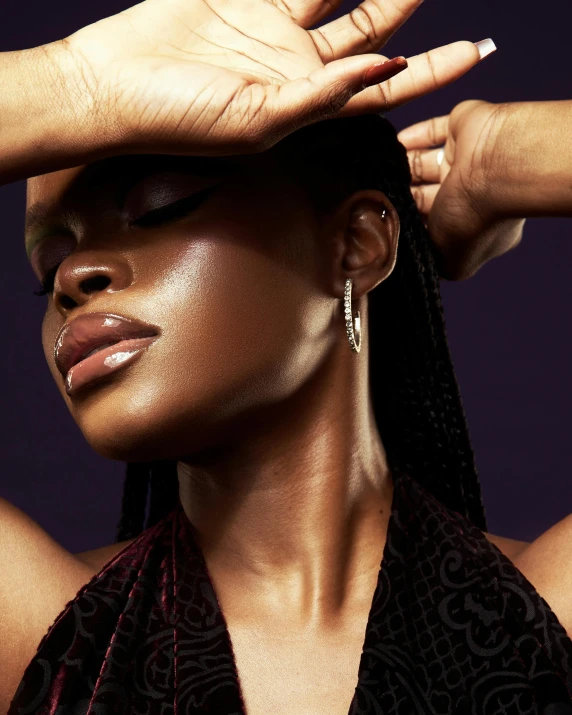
454,628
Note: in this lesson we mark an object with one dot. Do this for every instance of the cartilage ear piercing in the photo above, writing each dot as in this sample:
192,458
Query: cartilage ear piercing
383,213
353,325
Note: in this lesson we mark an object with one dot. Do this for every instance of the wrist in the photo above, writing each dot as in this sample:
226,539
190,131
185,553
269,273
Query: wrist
48,114
533,161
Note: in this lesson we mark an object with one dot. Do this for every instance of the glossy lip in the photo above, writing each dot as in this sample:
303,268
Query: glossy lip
92,330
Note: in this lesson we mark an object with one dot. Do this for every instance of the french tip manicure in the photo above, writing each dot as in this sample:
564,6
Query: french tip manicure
485,47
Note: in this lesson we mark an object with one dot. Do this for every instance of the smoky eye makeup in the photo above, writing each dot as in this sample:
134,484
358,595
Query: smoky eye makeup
165,196
172,211
156,192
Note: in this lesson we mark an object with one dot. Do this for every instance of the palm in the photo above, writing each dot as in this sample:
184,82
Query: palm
217,77
213,65
255,41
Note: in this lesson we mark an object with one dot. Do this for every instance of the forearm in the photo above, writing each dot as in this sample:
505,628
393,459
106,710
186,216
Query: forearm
45,119
533,160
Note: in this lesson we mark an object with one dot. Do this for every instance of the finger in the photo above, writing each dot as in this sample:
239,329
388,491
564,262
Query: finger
321,95
426,73
426,165
425,197
304,13
432,132
365,29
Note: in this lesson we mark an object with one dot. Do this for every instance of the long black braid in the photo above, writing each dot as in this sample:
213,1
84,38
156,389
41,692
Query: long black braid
415,394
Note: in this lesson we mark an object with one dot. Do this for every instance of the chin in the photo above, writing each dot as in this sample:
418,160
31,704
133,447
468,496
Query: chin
141,415
125,420
140,420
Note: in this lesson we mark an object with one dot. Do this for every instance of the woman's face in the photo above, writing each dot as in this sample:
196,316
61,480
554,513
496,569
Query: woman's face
234,284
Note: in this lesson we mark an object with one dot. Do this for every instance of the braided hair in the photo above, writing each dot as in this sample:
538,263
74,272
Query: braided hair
415,395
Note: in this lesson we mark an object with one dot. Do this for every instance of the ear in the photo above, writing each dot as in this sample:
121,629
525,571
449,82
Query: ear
363,234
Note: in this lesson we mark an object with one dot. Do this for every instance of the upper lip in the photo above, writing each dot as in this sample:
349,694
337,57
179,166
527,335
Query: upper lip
90,331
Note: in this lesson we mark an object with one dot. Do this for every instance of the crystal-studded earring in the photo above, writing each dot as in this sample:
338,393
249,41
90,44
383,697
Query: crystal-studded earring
353,325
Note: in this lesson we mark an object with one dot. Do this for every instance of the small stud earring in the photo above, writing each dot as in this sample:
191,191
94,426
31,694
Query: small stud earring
384,212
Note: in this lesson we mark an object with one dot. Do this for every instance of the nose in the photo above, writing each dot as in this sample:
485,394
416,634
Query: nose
83,274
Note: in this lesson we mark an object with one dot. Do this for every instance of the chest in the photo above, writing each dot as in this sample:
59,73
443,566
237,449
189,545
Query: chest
314,676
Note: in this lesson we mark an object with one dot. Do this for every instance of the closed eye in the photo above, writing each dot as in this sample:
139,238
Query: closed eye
158,217
173,211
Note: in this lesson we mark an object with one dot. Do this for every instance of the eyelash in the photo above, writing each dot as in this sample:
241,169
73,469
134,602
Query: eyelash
172,212
166,214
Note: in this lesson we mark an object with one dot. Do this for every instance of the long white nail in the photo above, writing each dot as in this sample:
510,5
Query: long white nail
485,47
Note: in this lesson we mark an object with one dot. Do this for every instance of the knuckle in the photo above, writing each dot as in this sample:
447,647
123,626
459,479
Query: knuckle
417,166
431,68
364,24
385,101
323,45
419,199
433,133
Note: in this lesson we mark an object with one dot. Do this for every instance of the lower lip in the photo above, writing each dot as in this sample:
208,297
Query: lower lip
105,362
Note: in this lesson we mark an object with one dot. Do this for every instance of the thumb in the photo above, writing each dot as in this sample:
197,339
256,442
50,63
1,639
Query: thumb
326,90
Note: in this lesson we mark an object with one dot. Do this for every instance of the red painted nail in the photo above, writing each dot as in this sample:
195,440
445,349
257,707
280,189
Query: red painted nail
384,71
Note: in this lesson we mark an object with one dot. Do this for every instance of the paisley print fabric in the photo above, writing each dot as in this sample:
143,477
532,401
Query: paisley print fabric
454,628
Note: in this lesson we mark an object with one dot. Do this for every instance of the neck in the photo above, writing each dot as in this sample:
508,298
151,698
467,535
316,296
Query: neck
295,509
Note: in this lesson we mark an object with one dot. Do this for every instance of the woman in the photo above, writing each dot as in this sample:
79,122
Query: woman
314,460
298,469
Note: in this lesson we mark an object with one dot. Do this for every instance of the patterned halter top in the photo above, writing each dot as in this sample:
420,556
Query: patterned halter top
454,629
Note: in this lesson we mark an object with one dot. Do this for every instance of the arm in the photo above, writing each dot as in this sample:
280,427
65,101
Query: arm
533,165
44,124
499,163
37,579
144,81
547,564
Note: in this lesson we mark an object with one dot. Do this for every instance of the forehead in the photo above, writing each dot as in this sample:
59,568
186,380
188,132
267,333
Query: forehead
50,186
107,170
54,187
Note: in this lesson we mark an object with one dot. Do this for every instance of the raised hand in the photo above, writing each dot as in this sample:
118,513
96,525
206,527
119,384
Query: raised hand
225,77
458,182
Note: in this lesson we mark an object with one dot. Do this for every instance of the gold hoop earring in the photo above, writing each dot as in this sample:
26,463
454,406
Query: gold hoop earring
353,326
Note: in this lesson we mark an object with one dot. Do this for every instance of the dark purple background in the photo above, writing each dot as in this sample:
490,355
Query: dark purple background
508,326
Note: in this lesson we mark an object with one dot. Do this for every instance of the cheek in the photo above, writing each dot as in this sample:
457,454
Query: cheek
244,322
236,318
241,330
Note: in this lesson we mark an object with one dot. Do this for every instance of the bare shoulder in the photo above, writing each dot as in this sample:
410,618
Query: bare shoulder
547,564
511,548
38,578
96,559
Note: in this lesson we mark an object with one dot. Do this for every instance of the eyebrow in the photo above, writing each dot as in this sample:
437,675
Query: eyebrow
125,171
